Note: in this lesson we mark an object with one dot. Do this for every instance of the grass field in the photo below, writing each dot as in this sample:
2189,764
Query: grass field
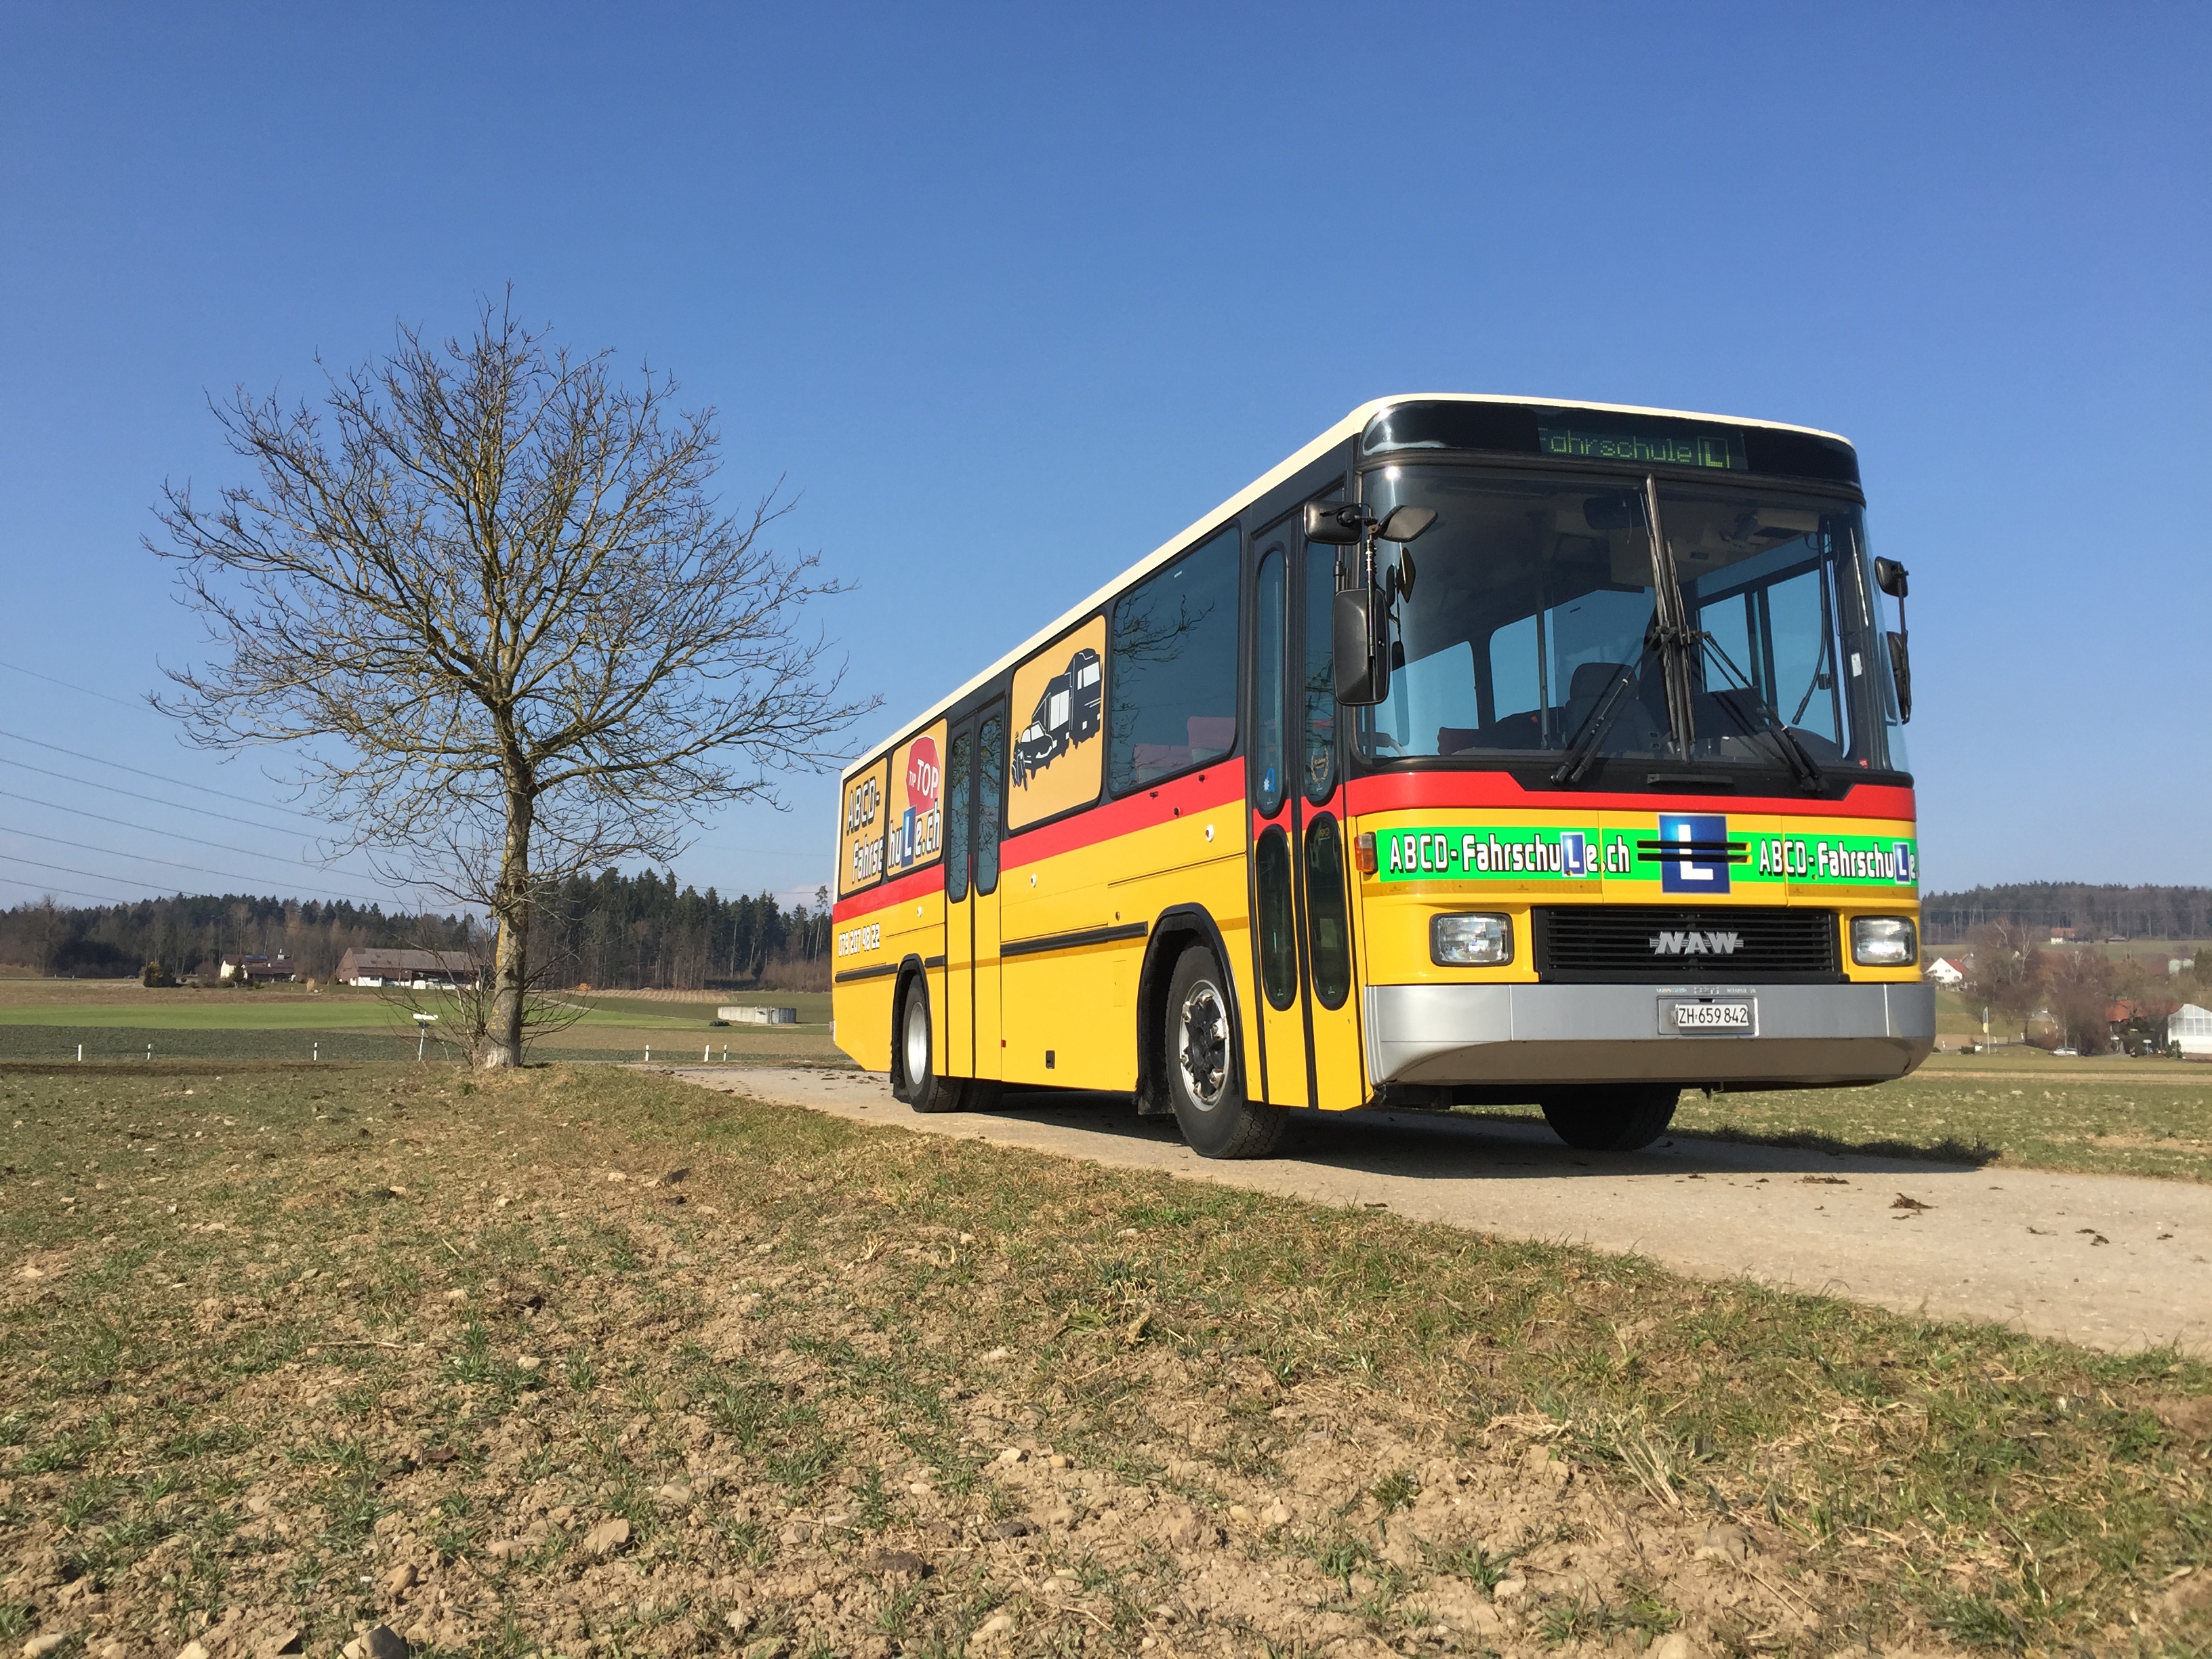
2016,1105
48,1019
650,1371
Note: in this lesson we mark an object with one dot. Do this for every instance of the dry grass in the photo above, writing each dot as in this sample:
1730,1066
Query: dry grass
270,1367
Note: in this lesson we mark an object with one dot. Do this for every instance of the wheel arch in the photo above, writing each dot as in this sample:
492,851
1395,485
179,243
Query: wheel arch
1178,928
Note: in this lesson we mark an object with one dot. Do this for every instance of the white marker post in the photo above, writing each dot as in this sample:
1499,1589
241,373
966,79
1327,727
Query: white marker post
422,1024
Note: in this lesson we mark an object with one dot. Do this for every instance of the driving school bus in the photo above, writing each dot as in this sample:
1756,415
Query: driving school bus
1484,751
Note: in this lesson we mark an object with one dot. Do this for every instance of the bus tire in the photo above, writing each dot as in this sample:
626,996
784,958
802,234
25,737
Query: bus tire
1622,1117
1198,1058
914,1064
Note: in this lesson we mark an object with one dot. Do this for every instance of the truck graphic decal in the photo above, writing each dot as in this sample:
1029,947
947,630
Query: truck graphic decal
1067,714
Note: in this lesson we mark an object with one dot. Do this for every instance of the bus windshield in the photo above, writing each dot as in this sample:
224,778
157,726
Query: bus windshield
1529,628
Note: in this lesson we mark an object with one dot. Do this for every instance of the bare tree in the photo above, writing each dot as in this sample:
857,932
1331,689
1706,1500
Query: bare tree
488,592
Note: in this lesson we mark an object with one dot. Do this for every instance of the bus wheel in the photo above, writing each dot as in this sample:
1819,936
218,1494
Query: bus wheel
914,1069
1624,1117
1200,1063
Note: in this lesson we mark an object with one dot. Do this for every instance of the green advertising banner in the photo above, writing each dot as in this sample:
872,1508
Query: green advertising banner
1686,853
1463,852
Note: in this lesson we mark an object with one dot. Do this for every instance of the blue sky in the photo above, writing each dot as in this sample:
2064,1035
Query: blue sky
1007,295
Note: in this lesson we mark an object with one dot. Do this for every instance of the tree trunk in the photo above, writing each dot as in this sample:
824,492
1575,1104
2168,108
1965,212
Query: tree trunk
511,954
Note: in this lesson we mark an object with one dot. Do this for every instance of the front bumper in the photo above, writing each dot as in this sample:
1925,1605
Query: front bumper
1482,1034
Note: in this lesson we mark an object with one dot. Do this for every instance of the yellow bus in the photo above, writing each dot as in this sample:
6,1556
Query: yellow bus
1487,751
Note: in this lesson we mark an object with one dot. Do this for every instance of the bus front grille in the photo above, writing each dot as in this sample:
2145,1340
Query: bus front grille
1663,945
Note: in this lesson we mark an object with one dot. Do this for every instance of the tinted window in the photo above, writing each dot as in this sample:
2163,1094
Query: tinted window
1325,913
957,791
989,798
1172,677
1320,692
1279,944
1267,642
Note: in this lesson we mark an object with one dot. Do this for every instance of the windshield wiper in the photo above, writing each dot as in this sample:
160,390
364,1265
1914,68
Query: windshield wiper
1810,777
1584,749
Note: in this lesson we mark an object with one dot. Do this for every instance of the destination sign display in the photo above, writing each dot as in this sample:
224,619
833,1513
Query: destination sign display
1614,443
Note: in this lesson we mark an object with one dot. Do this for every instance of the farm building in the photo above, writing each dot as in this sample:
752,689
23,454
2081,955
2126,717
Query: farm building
246,968
1946,974
418,968
2189,1029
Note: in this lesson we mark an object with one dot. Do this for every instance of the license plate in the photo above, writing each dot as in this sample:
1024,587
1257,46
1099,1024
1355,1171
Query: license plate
1703,1017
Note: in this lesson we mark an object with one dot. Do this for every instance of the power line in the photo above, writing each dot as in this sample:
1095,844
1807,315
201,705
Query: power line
42,887
92,875
158,777
149,830
69,686
147,858
152,800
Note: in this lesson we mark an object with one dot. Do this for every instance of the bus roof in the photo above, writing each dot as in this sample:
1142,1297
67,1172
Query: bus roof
1184,539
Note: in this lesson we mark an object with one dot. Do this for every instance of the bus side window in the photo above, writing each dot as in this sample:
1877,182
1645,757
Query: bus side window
957,792
1320,684
1267,642
990,796
1172,682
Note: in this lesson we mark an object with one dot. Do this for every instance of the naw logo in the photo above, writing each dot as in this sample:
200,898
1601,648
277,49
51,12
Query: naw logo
1695,944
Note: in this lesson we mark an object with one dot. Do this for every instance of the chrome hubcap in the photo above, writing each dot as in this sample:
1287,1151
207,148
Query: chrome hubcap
1202,1045
917,1040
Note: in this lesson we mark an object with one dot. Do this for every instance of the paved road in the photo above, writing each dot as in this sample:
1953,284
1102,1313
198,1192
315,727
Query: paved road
2109,1261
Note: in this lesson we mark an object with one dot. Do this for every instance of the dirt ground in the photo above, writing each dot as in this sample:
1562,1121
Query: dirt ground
586,1362
2109,1262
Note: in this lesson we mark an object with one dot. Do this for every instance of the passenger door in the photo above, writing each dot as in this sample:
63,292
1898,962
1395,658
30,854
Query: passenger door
1301,910
976,790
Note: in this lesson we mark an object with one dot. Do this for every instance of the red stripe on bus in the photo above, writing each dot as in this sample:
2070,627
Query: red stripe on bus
869,900
1216,787
1410,791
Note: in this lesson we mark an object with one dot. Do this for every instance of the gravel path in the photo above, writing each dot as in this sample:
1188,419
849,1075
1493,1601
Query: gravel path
2111,1261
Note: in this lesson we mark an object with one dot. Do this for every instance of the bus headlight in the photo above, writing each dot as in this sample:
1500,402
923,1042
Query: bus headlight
1477,941
1884,941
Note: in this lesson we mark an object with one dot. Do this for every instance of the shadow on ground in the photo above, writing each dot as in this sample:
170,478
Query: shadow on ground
1456,1148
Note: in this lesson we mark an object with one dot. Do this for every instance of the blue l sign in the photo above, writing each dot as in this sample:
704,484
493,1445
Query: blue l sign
1702,864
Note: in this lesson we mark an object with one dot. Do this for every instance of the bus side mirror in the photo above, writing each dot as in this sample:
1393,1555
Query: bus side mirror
1335,523
1894,579
1363,673
1406,523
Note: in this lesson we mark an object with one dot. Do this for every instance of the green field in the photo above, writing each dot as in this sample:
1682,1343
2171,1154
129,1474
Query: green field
2017,1105
50,1019
2119,1117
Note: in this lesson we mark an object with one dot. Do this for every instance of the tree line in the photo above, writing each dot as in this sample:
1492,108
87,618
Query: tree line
615,930
2093,912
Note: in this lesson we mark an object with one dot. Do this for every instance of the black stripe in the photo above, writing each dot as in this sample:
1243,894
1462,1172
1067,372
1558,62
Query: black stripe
1024,947
877,972
932,962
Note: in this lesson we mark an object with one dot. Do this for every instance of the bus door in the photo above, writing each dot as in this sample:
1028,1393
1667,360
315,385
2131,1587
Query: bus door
1324,862
1301,922
976,790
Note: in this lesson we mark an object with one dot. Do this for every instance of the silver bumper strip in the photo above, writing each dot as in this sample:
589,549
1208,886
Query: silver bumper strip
1805,1034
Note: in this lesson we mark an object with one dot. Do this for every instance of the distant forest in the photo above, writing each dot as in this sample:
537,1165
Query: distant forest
629,932
2176,913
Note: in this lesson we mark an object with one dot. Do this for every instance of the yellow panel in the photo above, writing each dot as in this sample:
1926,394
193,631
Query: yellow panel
861,842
